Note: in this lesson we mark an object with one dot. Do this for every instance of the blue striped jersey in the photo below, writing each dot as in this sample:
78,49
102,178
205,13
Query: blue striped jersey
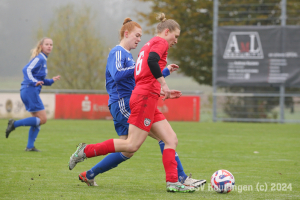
36,70
119,74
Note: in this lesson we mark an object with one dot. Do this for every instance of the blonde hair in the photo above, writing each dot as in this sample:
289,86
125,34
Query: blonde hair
38,48
166,24
128,25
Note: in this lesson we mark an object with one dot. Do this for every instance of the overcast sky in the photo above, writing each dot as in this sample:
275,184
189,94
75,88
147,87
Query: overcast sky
20,19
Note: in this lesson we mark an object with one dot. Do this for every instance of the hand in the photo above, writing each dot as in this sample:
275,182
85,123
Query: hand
162,92
165,91
39,83
175,94
173,67
55,78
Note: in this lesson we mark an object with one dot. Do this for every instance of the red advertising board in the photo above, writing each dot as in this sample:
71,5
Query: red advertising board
94,106
82,106
185,108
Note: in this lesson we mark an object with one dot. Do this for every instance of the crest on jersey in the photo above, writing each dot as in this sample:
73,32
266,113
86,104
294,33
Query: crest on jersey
147,122
243,45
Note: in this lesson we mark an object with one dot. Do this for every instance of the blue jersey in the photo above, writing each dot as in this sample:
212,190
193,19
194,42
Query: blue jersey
120,74
36,70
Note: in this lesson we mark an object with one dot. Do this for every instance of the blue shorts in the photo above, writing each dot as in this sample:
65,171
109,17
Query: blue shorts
31,98
120,111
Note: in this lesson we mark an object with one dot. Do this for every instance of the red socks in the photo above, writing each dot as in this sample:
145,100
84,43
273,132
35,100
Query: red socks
99,149
170,165
107,146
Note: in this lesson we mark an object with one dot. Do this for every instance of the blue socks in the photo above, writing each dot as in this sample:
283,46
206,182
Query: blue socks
30,121
180,171
33,133
34,122
108,162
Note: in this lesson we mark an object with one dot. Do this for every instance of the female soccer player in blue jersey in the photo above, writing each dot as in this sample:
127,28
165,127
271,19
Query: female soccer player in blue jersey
34,78
119,85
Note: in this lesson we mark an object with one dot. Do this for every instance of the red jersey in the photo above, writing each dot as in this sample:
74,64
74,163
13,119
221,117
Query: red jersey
145,82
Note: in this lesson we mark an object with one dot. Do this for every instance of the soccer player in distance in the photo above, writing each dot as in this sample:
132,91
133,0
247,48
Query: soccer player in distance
35,73
120,66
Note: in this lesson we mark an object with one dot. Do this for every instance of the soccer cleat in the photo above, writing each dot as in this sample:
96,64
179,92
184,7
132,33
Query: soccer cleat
189,181
78,156
32,149
10,127
179,187
89,182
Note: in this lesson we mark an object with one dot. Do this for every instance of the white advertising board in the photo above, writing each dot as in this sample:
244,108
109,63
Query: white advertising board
11,106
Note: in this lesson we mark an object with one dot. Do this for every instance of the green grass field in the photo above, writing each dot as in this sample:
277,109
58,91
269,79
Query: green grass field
203,149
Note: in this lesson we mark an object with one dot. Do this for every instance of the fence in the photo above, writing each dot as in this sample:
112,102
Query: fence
257,107
260,105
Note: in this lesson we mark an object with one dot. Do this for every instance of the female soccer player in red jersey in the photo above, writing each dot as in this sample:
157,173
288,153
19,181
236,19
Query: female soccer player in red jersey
145,116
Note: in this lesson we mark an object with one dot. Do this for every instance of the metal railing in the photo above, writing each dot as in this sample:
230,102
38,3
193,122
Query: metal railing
257,107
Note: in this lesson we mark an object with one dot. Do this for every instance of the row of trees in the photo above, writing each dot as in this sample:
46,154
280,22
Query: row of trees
79,55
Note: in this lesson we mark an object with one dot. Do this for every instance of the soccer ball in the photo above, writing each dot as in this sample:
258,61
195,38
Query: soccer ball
222,181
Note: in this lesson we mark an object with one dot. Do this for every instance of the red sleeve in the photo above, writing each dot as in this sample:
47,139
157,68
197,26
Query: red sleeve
159,47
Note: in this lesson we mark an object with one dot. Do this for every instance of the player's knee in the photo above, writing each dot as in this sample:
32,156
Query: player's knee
173,141
43,120
176,141
128,155
132,148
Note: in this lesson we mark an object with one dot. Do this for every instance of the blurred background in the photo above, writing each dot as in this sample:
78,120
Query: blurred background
69,23
84,31
23,23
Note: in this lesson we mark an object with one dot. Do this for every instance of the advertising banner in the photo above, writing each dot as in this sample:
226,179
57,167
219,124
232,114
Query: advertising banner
93,106
185,108
258,56
11,105
82,106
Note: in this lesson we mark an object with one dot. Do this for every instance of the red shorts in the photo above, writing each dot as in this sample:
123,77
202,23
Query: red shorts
144,111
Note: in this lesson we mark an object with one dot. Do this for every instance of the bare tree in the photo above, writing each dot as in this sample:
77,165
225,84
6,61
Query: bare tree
79,54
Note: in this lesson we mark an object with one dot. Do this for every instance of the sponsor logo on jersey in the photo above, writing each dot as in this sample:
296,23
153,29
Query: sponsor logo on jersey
147,122
243,45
